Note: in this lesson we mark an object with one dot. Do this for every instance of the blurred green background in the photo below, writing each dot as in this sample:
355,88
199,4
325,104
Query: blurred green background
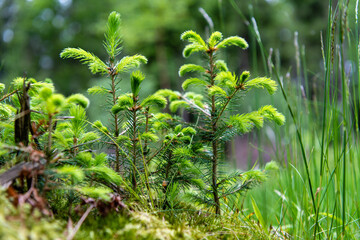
33,33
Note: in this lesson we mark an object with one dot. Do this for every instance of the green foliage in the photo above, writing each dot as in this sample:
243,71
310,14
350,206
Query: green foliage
135,80
271,113
268,84
94,63
193,81
221,65
79,99
244,76
221,87
233,41
154,100
125,100
73,131
97,90
129,62
112,35
189,130
290,210
148,136
113,68
226,78
6,111
55,103
192,48
46,93
193,37
75,173
213,90
172,95
272,166
96,192
98,124
258,214
176,104
214,39
245,122
17,84
190,68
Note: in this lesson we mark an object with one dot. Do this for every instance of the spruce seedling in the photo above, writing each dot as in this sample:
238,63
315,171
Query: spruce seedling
112,67
221,87
174,168
137,113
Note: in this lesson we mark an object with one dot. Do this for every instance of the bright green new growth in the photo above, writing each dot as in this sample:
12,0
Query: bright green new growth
129,62
268,84
113,67
46,92
112,47
94,63
233,41
214,39
79,99
221,87
246,122
192,81
136,79
112,35
193,37
154,100
55,103
190,68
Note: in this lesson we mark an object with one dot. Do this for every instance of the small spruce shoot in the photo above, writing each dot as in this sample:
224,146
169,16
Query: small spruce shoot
137,113
220,88
112,67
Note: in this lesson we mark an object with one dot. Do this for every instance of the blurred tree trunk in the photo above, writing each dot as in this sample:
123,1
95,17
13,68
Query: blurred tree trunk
22,119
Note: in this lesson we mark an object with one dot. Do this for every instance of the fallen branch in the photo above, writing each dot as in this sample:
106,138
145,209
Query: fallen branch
10,175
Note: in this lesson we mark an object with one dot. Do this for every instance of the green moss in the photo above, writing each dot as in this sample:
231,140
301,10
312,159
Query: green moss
18,224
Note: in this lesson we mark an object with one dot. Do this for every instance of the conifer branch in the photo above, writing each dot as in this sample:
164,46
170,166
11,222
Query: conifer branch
134,139
82,144
164,146
226,104
94,63
8,95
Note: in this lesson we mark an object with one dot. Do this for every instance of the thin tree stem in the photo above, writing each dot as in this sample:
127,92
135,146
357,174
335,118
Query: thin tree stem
134,141
214,142
226,104
147,117
116,120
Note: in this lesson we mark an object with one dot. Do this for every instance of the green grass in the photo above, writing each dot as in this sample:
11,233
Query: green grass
315,194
